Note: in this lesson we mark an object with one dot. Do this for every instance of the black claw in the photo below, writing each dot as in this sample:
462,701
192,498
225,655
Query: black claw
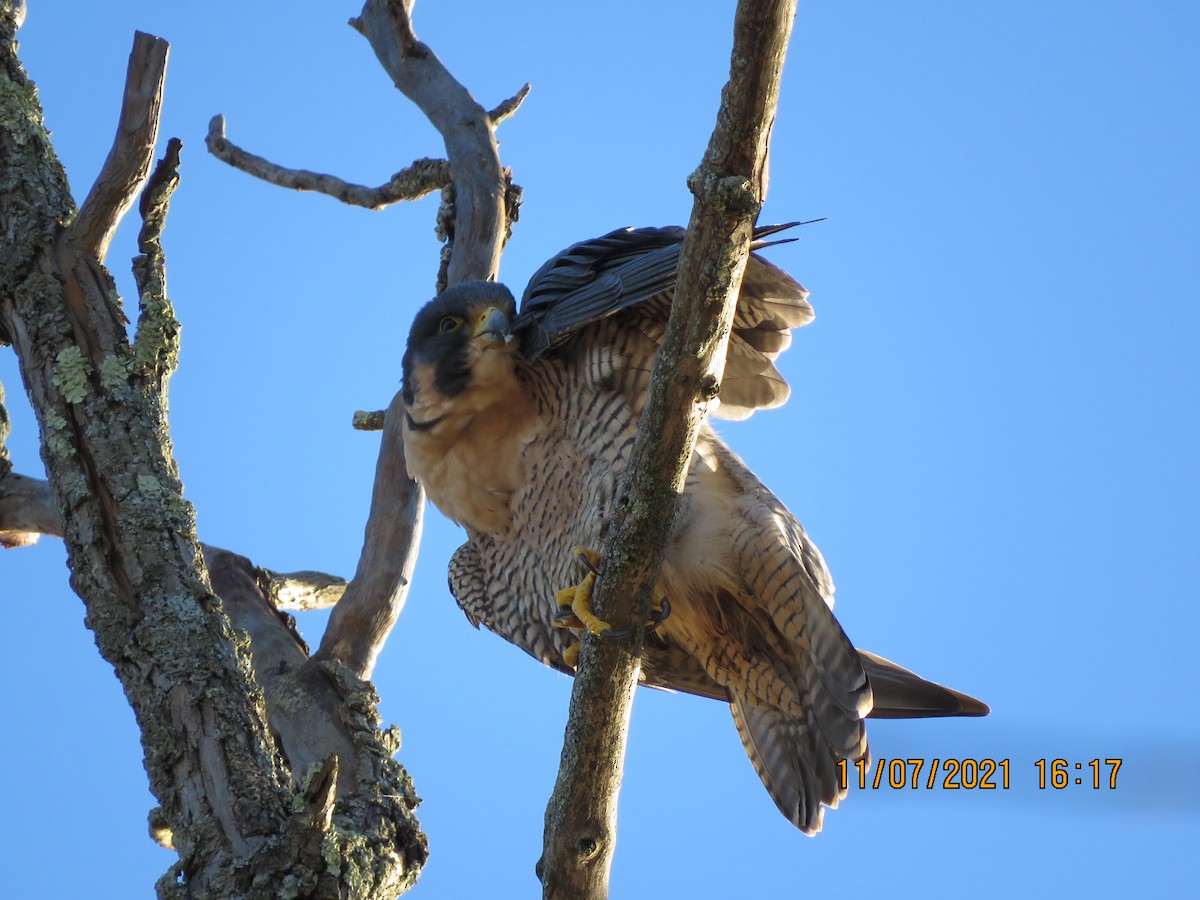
587,564
656,619
564,612
659,617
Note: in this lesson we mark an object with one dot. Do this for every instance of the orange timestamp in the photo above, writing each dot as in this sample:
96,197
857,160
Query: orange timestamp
914,773
973,774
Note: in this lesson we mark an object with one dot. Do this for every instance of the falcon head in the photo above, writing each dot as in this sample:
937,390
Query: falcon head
461,355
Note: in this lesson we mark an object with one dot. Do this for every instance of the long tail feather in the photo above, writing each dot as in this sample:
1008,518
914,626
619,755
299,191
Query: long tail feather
901,694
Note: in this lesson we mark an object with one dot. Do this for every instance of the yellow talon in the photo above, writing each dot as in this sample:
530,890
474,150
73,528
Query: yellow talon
566,599
571,655
578,598
575,602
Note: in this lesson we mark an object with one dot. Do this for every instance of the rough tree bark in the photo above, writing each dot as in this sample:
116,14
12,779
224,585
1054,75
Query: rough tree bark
729,187
272,772
273,775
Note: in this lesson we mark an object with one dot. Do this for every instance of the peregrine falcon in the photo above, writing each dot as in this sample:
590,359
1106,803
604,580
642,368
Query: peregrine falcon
519,427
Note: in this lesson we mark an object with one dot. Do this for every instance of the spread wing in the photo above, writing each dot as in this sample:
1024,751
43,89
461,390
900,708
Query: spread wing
751,620
629,275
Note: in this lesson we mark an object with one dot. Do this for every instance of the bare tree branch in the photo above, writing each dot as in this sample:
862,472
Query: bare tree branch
128,162
368,610
27,511
509,106
485,204
423,177
368,420
372,603
729,187
466,130
302,590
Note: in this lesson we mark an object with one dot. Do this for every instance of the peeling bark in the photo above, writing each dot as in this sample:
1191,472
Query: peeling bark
243,822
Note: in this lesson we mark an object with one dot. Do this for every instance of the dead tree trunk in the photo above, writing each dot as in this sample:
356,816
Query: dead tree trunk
251,811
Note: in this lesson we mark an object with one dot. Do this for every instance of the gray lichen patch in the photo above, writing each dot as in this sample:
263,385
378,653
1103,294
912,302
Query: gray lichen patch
56,437
20,111
114,373
156,347
71,374
150,487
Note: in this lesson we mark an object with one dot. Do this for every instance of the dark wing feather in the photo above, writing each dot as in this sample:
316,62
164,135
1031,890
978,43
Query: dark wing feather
630,267
593,279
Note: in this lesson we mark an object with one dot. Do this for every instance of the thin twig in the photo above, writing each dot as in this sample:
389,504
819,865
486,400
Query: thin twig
423,177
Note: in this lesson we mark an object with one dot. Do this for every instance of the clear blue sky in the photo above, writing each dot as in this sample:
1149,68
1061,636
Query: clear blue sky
992,434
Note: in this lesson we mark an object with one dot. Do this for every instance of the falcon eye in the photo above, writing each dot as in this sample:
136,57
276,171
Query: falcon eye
449,323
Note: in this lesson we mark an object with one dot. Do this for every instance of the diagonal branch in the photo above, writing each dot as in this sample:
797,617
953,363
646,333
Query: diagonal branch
465,128
372,603
729,186
128,161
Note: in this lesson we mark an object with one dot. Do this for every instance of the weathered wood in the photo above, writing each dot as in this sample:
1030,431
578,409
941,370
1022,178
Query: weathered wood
375,597
128,162
372,602
228,806
466,129
729,187
423,177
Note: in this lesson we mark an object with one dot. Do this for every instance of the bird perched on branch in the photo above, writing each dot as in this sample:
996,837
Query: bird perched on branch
520,426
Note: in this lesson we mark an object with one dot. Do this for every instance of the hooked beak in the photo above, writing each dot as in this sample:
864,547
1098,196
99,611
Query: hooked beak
493,327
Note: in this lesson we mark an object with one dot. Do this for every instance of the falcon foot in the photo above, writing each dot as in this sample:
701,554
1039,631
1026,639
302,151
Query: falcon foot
575,603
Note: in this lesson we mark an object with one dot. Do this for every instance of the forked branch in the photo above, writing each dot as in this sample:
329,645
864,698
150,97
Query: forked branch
128,161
